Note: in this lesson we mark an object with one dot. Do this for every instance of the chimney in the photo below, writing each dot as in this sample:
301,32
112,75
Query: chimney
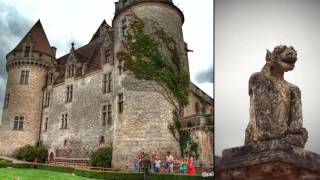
54,50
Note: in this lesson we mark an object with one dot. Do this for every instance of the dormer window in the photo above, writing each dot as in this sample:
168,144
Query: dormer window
70,70
108,57
26,51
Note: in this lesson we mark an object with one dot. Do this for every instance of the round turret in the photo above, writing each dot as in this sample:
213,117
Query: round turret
143,124
27,66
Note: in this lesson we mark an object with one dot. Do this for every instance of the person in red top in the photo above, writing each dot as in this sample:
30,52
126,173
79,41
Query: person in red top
191,167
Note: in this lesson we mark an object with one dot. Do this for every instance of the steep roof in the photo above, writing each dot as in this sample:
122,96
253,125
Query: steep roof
96,35
38,38
88,54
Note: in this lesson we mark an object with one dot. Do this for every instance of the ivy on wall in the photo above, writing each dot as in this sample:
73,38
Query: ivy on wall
143,55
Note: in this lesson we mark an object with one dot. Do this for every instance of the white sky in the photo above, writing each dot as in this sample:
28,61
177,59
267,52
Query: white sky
243,31
65,21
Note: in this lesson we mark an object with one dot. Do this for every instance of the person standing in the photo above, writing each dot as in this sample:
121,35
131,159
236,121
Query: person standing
166,161
157,165
170,162
135,166
191,166
146,165
181,167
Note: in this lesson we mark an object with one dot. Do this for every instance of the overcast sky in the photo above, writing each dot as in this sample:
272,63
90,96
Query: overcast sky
244,30
65,21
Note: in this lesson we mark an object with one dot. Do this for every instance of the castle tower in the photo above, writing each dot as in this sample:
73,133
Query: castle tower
143,124
27,66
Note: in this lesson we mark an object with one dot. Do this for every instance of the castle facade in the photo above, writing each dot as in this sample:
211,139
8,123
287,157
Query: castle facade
85,99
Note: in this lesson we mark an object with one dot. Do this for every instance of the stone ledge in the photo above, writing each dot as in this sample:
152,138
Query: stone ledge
269,151
275,170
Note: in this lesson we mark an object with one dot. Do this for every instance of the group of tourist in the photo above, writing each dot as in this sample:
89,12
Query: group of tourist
153,163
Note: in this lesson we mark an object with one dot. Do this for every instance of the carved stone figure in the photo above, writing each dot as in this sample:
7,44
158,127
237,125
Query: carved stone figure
275,104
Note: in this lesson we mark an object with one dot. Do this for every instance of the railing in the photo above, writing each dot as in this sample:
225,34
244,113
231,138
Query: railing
70,162
197,121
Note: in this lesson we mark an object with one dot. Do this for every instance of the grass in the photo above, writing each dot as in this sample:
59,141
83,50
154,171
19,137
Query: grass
35,174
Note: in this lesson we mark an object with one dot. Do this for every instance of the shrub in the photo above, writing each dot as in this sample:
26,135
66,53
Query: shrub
41,153
26,152
101,157
29,153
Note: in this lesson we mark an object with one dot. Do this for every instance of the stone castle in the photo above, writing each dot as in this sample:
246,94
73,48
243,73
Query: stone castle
84,100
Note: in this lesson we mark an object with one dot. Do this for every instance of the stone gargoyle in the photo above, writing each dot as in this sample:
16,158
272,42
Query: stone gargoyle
275,104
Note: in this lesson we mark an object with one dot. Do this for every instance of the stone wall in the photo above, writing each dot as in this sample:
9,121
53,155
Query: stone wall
204,139
190,109
143,126
25,100
84,128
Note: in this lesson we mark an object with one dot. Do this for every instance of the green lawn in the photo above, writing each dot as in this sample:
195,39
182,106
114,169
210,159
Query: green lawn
35,174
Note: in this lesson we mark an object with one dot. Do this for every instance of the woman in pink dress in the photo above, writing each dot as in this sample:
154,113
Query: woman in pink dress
191,167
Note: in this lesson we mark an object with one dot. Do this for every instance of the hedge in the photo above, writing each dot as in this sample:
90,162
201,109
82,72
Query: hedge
108,175
103,174
5,161
55,168
17,165
133,176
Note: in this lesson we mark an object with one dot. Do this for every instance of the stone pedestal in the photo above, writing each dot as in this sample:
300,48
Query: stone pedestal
275,159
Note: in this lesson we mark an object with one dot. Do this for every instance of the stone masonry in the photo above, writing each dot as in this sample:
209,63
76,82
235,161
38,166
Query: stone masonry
70,122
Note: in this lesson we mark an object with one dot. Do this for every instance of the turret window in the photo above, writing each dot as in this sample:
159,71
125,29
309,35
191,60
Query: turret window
46,124
26,51
6,101
120,103
47,100
24,77
64,121
18,123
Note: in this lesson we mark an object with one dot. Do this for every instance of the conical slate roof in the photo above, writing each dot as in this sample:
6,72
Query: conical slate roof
38,38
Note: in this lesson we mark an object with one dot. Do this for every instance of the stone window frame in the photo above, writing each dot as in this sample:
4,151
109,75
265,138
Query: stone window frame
108,59
6,100
70,70
107,83
64,121
27,51
102,140
69,93
106,114
120,103
24,76
47,99
120,69
109,114
46,124
65,141
18,122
